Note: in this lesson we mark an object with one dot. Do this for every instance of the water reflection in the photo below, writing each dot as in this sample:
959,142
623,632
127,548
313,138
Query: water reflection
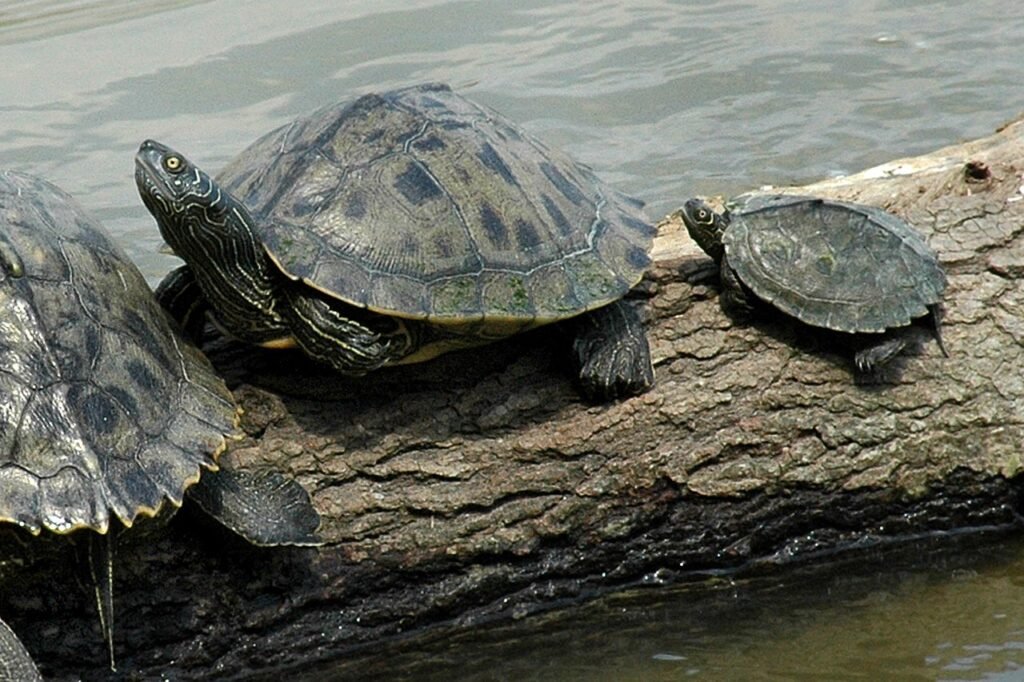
943,610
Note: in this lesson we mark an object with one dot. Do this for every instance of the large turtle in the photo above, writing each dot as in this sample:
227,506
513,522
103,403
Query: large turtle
399,226
105,412
842,266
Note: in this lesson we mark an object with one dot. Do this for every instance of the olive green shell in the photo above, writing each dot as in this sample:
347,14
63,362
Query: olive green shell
419,203
838,265
103,408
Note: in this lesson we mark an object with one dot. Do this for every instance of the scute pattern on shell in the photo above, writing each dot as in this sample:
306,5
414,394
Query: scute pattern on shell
419,203
843,266
102,407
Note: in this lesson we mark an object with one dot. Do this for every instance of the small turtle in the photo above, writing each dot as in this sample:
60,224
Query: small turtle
842,266
399,226
105,412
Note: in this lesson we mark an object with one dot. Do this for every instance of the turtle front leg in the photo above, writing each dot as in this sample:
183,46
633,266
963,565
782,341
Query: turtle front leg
735,297
330,332
611,353
181,297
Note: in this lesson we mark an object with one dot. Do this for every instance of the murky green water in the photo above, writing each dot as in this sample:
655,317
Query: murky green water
947,611
666,99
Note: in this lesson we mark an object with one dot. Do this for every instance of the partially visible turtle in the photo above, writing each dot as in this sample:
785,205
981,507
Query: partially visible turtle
399,226
105,412
842,266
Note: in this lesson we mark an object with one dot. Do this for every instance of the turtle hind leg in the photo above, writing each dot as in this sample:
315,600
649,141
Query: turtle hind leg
870,358
266,508
341,335
611,354
893,342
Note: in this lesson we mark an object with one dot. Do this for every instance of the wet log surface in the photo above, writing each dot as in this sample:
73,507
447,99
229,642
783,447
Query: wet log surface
479,486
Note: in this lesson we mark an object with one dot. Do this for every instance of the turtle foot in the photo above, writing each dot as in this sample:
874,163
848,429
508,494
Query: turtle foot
266,508
871,358
611,353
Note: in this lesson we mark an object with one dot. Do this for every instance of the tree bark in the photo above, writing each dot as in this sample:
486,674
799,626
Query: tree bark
479,486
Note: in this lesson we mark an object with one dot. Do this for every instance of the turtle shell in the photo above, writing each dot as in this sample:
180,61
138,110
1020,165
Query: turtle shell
843,266
103,408
419,203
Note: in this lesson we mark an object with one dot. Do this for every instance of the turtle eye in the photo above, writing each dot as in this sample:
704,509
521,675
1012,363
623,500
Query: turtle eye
173,163
702,215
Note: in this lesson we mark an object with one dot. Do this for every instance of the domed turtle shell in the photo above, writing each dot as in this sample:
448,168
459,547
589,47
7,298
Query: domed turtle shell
419,203
843,266
103,410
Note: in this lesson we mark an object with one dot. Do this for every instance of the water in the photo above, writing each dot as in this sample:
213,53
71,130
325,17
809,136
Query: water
954,611
665,99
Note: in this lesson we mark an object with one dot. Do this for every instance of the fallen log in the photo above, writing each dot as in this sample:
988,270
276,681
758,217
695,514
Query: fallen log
478,486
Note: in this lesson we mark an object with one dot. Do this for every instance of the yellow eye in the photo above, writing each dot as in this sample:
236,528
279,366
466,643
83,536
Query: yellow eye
702,215
173,163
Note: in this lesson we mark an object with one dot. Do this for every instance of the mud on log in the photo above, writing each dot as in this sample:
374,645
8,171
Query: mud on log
478,486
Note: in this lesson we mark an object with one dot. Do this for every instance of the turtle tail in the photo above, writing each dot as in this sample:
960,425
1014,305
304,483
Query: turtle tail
936,313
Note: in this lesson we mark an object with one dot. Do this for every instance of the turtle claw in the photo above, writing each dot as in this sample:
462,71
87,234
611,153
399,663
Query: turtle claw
873,357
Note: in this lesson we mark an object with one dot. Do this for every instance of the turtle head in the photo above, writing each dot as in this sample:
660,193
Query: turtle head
705,227
188,204
213,233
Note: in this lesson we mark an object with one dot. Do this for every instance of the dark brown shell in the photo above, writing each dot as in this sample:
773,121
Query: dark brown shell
103,409
420,203
843,266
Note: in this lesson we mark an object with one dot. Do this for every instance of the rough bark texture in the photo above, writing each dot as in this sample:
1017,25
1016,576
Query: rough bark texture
478,486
